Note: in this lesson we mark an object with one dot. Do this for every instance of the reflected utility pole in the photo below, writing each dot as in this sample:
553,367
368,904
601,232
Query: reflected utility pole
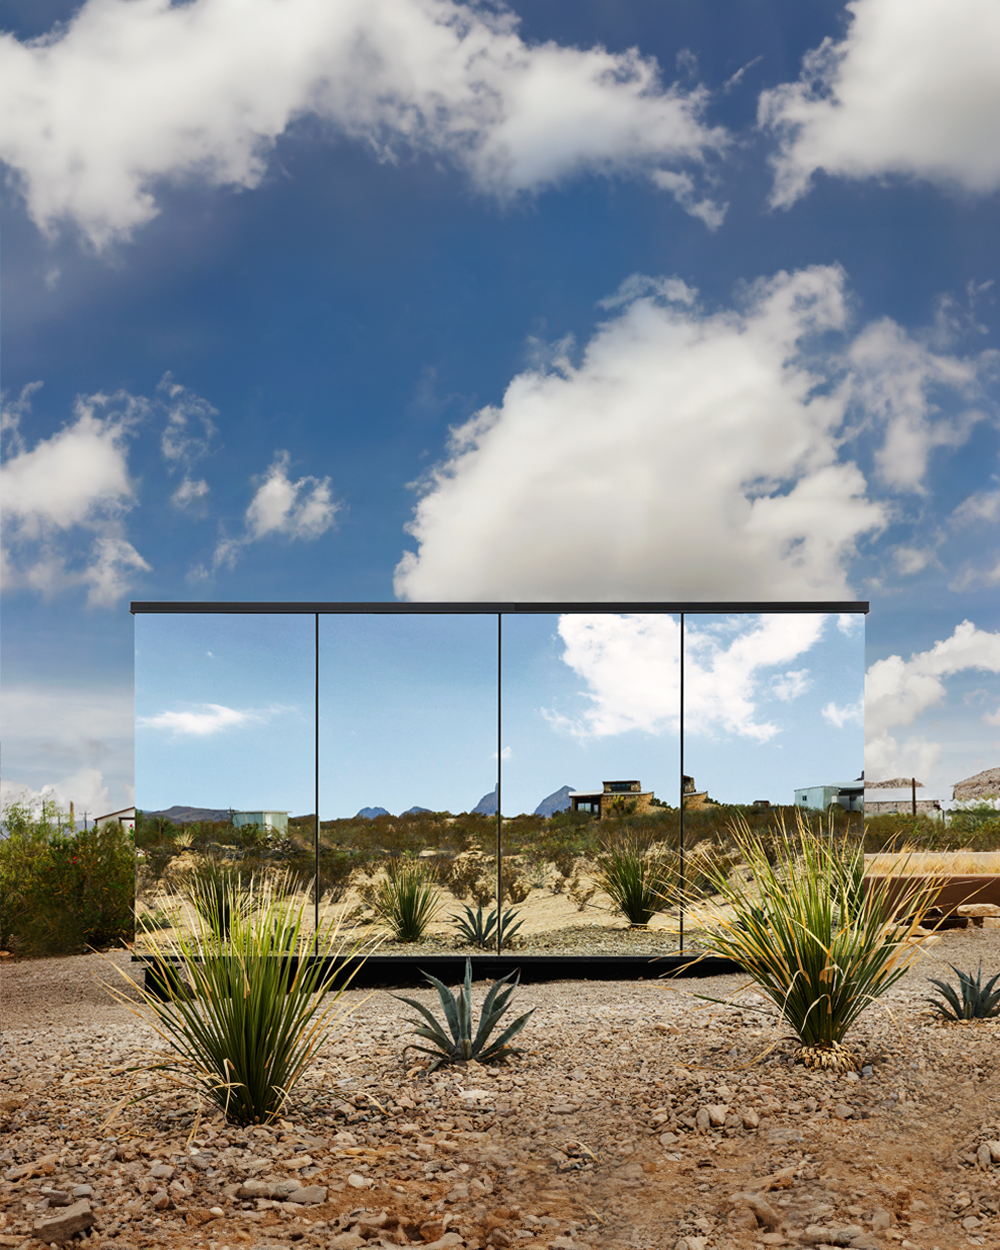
316,798
499,768
683,879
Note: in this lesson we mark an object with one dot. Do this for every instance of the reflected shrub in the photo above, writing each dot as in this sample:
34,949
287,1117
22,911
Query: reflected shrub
514,884
406,900
218,892
638,876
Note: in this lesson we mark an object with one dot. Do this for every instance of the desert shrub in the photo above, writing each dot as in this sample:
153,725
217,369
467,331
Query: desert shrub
93,885
467,875
336,872
241,1023
581,893
973,830
514,884
810,939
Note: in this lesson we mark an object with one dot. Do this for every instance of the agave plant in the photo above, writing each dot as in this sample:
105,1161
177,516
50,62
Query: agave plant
640,879
477,931
245,1026
815,943
407,900
977,1002
458,1044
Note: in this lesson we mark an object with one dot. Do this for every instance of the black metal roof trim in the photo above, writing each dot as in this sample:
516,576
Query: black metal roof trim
490,609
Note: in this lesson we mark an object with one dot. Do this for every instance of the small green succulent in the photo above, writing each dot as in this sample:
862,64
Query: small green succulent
463,1044
978,1001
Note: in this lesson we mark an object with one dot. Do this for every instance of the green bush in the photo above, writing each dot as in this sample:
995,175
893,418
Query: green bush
63,890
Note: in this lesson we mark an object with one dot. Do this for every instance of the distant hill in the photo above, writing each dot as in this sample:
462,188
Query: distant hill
557,802
369,813
188,815
415,811
487,805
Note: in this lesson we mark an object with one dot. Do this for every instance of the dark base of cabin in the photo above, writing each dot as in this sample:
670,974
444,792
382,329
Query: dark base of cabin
403,972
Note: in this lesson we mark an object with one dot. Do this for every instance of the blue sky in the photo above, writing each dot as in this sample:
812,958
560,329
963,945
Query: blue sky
421,299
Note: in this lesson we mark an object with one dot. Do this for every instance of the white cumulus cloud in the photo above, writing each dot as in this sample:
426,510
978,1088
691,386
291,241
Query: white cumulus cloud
86,789
299,509
851,714
630,664
912,90
898,691
128,93
691,454
64,501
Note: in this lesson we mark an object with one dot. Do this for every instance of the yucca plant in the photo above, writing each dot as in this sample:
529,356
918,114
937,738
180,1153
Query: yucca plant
638,877
218,892
244,1028
977,1002
462,1045
407,899
814,942
477,931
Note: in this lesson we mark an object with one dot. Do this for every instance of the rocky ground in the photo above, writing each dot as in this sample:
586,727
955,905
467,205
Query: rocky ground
637,1117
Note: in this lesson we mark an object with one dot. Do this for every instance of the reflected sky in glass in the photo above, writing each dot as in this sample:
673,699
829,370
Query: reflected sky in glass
408,712
224,712
408,707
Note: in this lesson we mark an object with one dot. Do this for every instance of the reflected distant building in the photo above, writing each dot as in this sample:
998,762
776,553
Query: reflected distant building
625,797
850,795
271,822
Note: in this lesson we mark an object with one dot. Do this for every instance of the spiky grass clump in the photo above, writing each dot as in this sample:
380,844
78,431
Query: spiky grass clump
638,877
218,892
459,1044
407,900
245,1027
812,939
476,930
974,1001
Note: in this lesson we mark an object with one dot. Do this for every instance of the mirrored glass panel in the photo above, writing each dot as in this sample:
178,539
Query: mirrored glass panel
408,774
773,720
590,781
224,757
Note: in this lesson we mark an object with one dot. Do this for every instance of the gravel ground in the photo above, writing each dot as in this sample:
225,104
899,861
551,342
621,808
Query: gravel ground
637,1117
